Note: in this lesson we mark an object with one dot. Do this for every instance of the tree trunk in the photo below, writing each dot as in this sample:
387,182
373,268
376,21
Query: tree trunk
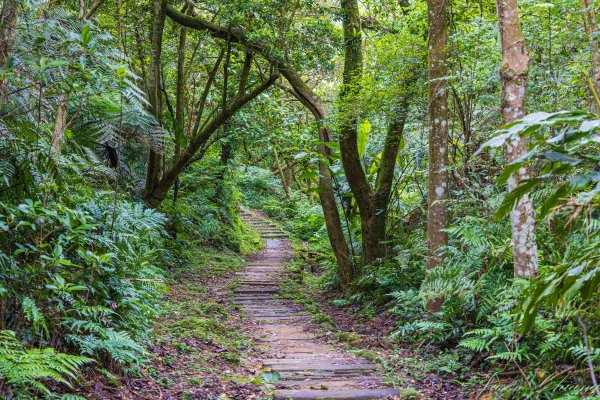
179,101
8,30
372,202
60,125
374,229
590,26
357,179
81,9
437,213
154,159
333,223
281,174
93,9
515,63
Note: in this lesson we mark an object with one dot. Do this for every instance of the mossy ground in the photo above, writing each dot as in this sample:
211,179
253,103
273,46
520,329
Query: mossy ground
418,372
200,339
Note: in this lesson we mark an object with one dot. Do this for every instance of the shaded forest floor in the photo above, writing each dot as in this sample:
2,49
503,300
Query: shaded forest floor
420,372
204,348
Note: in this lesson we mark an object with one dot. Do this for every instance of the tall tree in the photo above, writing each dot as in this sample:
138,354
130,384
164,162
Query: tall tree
154,95
513,72
8,29
437,213
180,100
372,201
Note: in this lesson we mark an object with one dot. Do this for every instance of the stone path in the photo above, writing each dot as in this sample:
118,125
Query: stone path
308,367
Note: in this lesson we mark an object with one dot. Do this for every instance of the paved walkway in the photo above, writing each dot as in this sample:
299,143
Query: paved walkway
308,368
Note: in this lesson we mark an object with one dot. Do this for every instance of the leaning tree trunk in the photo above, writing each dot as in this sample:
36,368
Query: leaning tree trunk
353,169
515,63
154,158
437,213
333,223
284,181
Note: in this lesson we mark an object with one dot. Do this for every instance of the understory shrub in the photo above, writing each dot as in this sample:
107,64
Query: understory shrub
83,279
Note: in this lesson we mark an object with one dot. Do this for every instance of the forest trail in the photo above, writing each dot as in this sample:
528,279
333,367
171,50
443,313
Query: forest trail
308,368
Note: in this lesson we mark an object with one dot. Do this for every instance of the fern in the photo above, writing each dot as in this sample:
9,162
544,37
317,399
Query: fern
24,371
119,346
35,316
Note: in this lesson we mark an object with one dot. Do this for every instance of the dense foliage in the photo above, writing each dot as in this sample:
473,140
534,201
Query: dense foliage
132,132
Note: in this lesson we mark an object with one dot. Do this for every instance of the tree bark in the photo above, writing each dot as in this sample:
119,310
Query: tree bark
513,73
284,181
437,213
333,223
355,174
179,101
154,96
81,9
60,125
8,30
94,9
372,202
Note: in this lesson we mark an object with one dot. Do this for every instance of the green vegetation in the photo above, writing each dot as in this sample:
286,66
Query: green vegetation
435,163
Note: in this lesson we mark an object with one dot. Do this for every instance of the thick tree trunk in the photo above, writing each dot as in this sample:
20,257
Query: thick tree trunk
437,213
60,125
372,202
515,63
357,179
374,228
333,223
8,30
153,171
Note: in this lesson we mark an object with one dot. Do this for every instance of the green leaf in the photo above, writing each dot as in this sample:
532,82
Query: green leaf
301,155
270,377
364,130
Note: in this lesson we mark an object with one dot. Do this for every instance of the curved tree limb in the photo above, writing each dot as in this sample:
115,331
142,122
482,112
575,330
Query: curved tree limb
314,104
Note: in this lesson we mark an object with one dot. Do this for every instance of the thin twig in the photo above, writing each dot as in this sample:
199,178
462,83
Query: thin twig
518,366
588,355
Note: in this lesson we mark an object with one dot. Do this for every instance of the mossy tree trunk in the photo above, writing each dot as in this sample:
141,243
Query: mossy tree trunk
437,213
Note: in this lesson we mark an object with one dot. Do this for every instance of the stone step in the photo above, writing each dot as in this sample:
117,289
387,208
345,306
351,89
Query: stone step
255,291
309,361
348,394
330,383
321,367
248,283
309,368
